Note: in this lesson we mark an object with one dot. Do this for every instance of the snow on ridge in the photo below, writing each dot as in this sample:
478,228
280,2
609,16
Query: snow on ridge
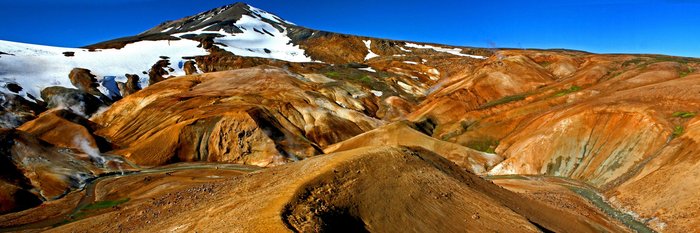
453,51
370,54
268,15
258,39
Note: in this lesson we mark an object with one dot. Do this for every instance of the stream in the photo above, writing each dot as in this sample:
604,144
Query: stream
590,194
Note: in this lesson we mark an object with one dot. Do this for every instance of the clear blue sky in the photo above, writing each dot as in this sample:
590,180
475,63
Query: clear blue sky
612,26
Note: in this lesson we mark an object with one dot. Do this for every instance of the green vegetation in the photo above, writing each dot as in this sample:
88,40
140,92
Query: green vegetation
564,92
686,72
105,204
484,145
677,131
684,114
100,205
504,100
332,74
544,63
365,79
635,61
681,60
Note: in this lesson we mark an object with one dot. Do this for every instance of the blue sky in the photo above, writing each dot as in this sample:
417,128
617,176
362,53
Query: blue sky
614,26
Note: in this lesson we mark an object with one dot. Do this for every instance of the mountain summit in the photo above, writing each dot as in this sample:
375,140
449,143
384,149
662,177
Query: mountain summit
220,19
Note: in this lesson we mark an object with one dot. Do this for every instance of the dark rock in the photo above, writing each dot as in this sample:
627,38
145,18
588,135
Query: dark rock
77,101
157,72
206,42
85,81
69,54
190,67
15,110
13,87
13,185
131,86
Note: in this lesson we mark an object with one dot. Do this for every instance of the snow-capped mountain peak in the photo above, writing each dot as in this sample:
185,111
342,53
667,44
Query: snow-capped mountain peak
237,28
222,18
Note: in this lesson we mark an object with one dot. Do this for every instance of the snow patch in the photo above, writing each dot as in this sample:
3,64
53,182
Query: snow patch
434,74
453,51
274,44
411,62
35,67
377,93
369,69
370,54
267,15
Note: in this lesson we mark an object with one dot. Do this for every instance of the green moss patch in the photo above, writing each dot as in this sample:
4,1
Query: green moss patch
484,145
504,100
570,90
684,114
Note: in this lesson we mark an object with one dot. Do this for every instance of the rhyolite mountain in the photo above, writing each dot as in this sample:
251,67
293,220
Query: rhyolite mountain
235,119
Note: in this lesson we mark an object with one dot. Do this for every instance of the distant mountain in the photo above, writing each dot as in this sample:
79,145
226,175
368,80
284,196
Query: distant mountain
239,28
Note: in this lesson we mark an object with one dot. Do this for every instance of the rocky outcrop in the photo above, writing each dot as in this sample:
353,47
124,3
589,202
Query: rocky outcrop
66,129
84,81
15,110
190,67
34,170
131,86
76,101
158,72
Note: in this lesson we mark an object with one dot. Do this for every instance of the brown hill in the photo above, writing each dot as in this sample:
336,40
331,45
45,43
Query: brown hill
380,189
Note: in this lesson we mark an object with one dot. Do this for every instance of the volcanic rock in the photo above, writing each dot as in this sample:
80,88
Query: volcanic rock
190,67
77,101
157,72
63,128
131,86
84,81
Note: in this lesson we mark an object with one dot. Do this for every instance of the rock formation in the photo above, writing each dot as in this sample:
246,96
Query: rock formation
157,72
131,86
77,101
190,67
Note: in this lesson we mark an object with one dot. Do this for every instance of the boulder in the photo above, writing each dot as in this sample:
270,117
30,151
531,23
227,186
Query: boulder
190,68
157,72
84,80
131,86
